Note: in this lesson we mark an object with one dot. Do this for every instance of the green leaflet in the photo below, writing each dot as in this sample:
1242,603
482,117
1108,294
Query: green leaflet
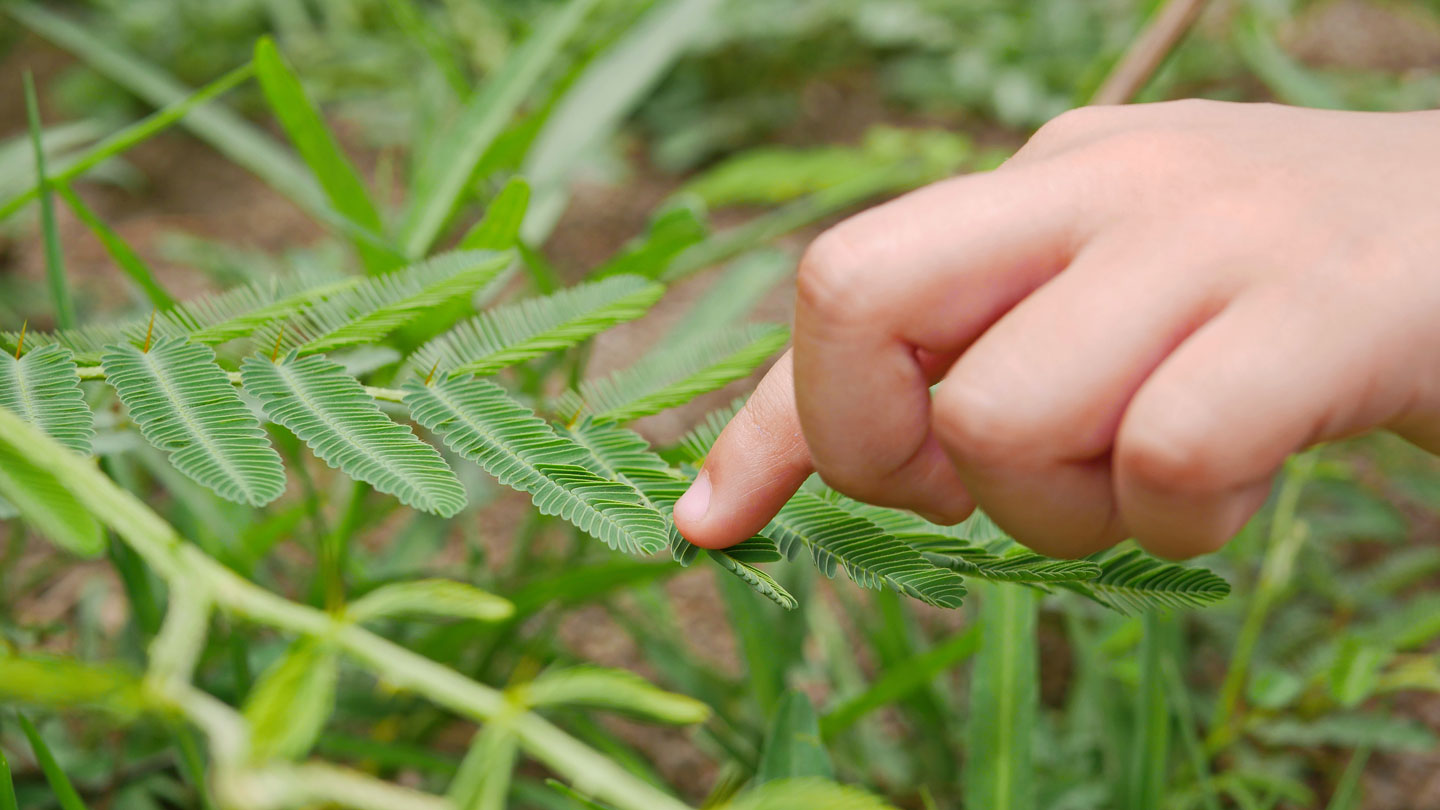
669,234
500,227
44,389
869,555
674,376
307,130
186,406
481,422
377,306
695,445
1134,582
1016,565
617,690
331,412
290,703
430,597
210,319
617,452
47,505
793,794
514,333
483,781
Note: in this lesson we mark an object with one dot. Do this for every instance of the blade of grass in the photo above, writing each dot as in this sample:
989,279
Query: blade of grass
897,682
600,99
446,170
7,785
54,260
1180,696
59,783
1004,696
1350,791
237,139
1150,746
128,260
307,130
138,132
412,22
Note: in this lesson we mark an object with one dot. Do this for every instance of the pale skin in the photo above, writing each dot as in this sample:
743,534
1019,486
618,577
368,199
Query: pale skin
1132,324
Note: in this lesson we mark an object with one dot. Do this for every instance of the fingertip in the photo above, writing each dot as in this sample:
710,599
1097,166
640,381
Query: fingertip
691,512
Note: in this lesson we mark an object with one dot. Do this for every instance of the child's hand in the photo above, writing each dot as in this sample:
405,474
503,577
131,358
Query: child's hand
1133,323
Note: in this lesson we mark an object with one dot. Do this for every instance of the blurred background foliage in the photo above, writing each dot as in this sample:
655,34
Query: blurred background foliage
1316,684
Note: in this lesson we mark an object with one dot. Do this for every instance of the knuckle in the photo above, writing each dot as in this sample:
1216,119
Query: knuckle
831,280
977,429
1172,455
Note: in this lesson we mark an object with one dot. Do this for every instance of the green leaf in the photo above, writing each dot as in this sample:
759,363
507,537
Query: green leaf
674,376
240,141
622,454
670,233
138,132
209,319
1015,565
483,781
793,747
59,783
7,786
1134,582
695,445
67,683
446,168
46,504
128,260
44,389
291,701
1355,730
534,327
870,557
481,422
804,794
1355,673
759,581
371,310
54,259
614,690
430,597
331,412
1004,699
307,130
186,406
499,229
896,682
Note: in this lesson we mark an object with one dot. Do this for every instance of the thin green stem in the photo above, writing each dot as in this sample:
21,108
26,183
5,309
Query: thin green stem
54,261
1287,536
394,395
160,545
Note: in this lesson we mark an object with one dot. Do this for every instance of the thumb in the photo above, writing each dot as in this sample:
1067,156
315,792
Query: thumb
758,462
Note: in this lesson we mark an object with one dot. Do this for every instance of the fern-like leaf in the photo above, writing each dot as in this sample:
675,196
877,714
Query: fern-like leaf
379,305
331,412
481,422
1134,582
209,319
695,445
518,332
619,453
44,389
1015,565
672,377
185,405
869,556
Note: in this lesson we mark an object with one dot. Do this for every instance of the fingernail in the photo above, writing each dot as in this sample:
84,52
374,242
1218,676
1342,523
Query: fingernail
693,505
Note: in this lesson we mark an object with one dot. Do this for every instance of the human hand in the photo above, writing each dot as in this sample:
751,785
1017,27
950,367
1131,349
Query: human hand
1133,323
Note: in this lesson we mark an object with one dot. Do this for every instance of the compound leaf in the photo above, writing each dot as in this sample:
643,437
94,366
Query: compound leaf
1134,582
186,406
331,412
43,388
518,332
481,422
